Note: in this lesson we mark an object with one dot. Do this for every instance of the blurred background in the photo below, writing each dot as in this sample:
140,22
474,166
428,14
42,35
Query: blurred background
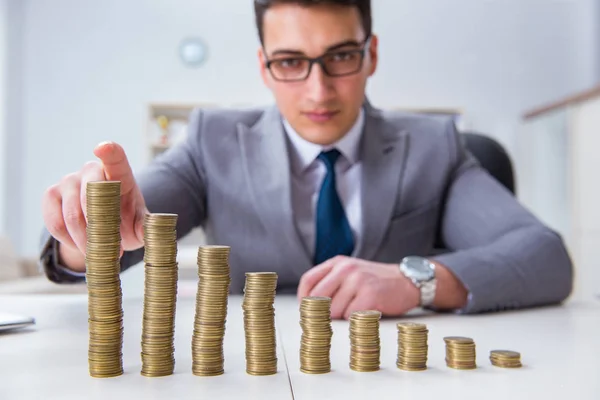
73,73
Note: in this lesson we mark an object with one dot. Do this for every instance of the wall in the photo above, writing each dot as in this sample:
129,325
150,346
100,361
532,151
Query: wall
15,168
494,58
3,98
587,48
89,67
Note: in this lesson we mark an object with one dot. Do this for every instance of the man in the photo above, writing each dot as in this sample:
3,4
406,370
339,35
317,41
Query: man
337,197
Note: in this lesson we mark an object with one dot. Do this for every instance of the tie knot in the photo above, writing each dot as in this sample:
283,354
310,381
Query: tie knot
329,157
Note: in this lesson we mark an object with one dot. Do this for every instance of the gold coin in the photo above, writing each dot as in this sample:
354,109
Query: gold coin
102,279
505,358
211,310
365,346
259,323
460,352
315,321
458,339
160,294
508,354
412,346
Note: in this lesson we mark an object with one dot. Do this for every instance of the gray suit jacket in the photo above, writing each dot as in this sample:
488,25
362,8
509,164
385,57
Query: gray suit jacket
420,187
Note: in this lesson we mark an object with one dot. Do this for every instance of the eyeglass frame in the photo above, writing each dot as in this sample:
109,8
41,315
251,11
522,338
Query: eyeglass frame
320,60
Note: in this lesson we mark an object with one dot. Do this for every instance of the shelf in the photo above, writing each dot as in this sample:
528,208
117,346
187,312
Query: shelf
161,146
177,117
175,111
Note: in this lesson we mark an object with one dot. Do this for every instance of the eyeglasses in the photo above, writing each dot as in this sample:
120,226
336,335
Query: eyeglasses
334,64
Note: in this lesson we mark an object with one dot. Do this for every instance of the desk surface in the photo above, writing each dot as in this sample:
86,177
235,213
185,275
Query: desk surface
560,349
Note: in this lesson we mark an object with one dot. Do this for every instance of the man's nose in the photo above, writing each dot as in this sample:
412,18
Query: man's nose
319,85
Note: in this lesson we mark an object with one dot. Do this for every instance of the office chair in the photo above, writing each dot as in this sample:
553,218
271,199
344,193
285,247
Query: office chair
492,157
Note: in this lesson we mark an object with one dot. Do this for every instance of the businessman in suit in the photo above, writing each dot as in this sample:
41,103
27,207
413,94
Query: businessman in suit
339,198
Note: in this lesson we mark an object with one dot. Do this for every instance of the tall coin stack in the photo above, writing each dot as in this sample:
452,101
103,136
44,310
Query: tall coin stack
365,345
505,358
460,352
160,294
211,311
103,209
315,345
412,346
259,323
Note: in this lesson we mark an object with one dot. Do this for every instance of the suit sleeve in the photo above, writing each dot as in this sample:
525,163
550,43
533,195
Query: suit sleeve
173,183
505,257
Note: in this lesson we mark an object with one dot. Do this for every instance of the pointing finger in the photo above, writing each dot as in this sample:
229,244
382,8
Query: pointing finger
115,164
91,172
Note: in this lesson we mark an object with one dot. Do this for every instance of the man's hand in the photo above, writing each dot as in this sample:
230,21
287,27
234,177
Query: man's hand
355,285
64,208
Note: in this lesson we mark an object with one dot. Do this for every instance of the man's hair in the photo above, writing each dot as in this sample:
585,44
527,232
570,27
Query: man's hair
363,6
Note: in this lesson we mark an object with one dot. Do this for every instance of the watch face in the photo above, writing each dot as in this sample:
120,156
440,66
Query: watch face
419,267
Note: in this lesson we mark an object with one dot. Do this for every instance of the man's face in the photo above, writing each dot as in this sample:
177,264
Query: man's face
321,108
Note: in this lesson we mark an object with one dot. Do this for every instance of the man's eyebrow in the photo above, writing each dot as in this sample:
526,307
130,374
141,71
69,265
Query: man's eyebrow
333,47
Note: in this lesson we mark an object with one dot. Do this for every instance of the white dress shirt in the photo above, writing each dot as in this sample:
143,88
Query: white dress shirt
308,172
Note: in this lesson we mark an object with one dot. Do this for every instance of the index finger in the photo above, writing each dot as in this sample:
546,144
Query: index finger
313,276
115,164
91,172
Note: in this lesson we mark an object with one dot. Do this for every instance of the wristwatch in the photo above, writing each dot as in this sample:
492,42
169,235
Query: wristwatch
421,272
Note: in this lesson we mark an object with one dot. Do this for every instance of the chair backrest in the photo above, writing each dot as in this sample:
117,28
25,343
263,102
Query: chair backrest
492,157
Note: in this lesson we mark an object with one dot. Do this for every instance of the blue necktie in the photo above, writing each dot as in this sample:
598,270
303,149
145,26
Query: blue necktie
334,236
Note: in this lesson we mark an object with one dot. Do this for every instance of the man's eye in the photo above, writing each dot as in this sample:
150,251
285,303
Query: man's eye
341,57
289,63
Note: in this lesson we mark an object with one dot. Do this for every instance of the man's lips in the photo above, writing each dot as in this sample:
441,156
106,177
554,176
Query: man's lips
320,116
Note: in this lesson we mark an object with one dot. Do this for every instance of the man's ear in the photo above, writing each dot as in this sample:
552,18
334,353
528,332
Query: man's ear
262,64
373,52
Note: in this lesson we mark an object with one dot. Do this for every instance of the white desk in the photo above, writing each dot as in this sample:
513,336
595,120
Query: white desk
559,346
560,349
50,360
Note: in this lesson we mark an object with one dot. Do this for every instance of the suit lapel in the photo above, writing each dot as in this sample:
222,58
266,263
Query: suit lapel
384,152
266,166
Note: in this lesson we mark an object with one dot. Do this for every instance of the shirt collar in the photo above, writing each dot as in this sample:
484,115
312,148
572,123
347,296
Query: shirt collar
306,152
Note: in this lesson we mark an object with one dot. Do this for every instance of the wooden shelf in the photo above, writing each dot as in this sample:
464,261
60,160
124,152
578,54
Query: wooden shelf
161,146
177,115
562,103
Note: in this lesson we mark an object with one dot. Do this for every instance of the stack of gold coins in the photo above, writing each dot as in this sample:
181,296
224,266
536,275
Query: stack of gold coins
211,311
103,209
412,346
160,294
460,352
259,323
505,358
365,346
315,345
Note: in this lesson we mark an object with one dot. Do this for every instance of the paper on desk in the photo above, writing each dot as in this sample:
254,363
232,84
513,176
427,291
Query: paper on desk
11,321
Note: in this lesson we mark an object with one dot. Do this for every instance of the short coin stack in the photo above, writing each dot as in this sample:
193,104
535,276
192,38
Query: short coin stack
505,358
365,345
211,311
460,352
103,205
259,323
412,346
160,294
315,345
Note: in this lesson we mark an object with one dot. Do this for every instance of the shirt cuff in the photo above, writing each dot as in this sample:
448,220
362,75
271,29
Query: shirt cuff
53,269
